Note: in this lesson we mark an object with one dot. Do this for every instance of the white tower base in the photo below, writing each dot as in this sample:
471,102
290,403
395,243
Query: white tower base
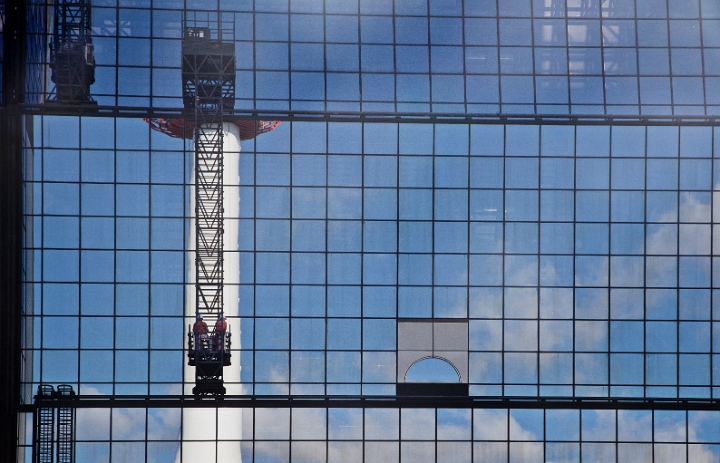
201,428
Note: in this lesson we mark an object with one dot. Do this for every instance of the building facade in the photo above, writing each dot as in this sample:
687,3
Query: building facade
514,196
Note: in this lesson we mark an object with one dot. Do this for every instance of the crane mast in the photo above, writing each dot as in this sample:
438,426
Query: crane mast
71,53
208,74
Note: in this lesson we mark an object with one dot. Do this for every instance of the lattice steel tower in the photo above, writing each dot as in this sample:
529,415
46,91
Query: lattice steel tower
208,75
71,53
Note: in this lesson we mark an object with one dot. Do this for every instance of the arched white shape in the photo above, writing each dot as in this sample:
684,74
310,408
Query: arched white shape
432,370
444,339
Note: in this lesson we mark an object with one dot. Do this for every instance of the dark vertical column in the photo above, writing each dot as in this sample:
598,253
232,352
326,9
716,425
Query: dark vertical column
13,83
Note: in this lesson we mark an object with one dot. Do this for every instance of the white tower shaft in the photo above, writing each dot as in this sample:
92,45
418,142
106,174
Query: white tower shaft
201,428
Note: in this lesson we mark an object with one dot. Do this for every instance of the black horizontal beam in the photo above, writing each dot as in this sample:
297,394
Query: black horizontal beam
401,117
230,401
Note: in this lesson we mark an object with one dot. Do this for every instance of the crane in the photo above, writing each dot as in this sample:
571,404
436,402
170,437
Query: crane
208,75
71,54
208,90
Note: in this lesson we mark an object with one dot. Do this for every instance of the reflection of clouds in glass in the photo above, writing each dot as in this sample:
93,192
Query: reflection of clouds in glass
627,303
521,270
520,368
417,424
420,452
126,424
379,367
667,435
164,424
490,452
598,452
634,425
485,334
521,335
591,369
486,302
661,239
591,303
556,302
521,302
345,452
626,271
694,207
556,270
491,425
454,424
556,335
486,237
669,426
381,452
344,203
450,302
485,367
456,452
309,424
379,424
277,376
598,425
661,271
345,424
93,424
591,335
694,239
591,271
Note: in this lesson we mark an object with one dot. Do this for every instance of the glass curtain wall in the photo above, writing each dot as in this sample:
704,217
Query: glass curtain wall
542,173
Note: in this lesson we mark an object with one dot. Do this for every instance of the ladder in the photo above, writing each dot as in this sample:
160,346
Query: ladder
54,440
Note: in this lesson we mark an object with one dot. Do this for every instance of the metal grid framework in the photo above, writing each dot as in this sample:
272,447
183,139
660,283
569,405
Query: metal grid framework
548,132
517,58
394,105
324,432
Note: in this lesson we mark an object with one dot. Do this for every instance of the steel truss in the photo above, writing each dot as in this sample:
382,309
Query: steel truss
320,401
54,431
374,117
71,53
208,73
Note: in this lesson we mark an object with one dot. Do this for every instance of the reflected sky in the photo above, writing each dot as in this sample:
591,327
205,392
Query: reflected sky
544,56
432,370
583,258
584,263
320,435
